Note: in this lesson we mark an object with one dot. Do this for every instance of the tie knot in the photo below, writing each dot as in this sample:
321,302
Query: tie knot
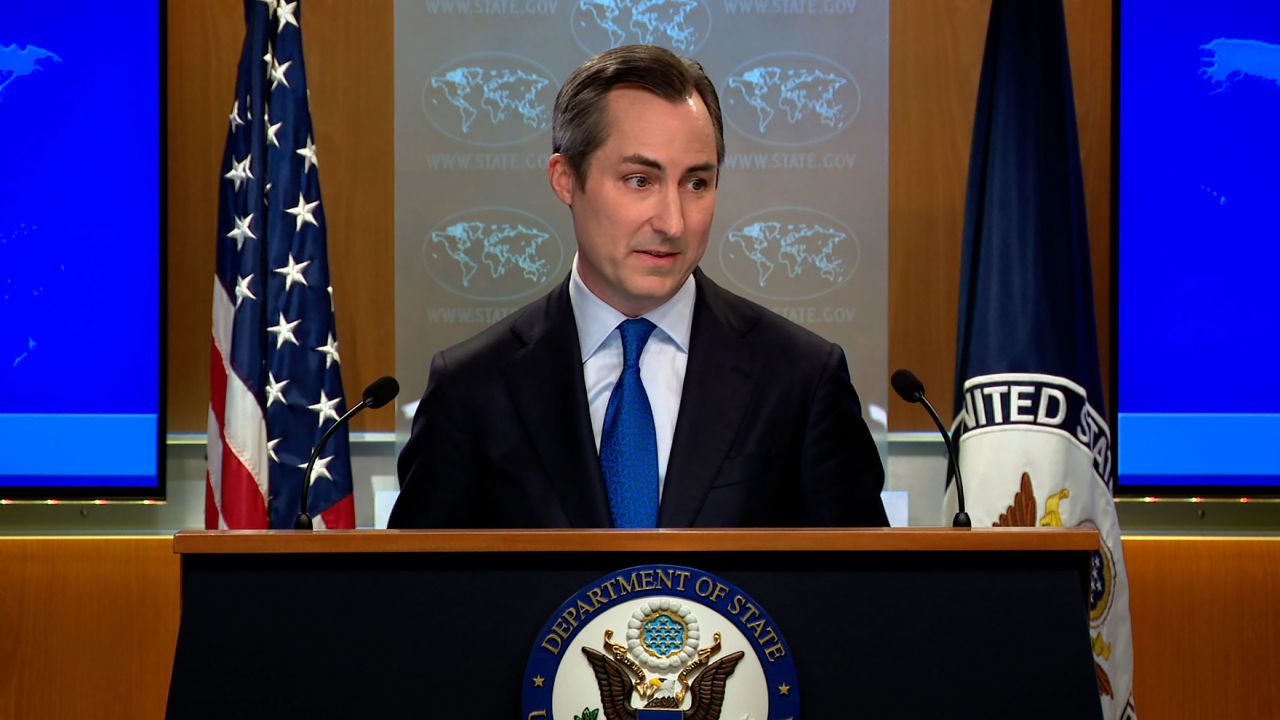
635,333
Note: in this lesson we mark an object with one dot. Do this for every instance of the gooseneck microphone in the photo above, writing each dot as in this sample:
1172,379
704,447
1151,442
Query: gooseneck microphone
379,393
909,388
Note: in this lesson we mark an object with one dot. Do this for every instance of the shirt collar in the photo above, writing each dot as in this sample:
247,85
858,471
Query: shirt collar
596,318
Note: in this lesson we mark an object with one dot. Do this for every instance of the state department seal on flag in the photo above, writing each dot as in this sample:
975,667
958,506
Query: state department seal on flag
660,642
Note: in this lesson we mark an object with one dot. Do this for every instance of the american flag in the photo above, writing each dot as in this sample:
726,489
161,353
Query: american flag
274,384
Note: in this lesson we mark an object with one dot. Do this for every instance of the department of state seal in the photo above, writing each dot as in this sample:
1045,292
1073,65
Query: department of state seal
660,642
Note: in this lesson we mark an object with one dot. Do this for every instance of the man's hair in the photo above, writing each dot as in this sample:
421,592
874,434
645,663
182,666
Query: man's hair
579,123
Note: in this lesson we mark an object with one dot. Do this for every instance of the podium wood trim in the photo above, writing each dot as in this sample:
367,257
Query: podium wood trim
487,541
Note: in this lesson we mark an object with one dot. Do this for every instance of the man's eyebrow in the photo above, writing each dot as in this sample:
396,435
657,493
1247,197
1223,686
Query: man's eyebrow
638,159
644,161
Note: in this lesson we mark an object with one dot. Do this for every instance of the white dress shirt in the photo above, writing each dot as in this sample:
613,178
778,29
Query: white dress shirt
662,362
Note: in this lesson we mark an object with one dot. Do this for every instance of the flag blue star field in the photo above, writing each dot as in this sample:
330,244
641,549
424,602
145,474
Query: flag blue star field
275,384
1032,431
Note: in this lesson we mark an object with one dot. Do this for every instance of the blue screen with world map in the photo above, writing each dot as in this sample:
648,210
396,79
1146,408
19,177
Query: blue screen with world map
1199,247
80,249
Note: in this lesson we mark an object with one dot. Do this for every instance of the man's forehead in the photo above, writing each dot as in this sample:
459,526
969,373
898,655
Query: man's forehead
629,94
630,120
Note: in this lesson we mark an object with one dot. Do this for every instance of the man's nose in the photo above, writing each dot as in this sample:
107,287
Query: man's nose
668,214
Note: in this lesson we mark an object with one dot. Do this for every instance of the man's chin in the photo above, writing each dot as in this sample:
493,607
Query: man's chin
643,298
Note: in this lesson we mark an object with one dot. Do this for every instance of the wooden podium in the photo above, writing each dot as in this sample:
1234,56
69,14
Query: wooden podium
910,623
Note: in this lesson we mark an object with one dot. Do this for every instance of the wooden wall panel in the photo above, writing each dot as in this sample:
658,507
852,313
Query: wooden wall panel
349,71
203,45
88,626
935,55
1206,626
1089,37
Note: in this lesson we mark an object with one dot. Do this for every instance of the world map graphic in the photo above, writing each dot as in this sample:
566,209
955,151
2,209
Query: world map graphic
501,92
662,22
499,247
795,91
15,63
1229,62
1231,59
797,247
19,298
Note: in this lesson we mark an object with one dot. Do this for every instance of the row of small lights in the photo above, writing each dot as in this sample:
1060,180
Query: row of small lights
1153,499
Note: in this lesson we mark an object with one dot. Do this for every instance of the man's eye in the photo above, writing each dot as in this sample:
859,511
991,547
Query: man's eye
698,184
638,181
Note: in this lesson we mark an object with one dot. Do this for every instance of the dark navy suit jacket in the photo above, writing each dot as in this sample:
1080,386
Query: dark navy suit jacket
769,434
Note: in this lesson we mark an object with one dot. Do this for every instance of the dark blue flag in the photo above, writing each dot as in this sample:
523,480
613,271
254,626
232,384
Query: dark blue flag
1033,437
275,382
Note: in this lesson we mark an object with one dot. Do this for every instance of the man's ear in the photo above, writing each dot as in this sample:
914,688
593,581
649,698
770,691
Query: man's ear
561,178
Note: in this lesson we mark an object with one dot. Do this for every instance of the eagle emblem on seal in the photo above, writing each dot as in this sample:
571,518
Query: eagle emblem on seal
660,642
663,638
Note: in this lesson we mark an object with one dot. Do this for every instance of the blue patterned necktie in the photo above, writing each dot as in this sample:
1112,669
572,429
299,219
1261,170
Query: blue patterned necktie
628,443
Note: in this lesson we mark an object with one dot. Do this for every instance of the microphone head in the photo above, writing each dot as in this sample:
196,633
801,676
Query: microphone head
907,385
381,391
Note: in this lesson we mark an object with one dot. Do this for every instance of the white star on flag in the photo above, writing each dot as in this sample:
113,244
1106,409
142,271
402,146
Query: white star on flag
239,171
309,156
243,291
235,116
269,58
292,273
271,129
275,390
321,469
277,73
271,449
302,211
284,331
242,231
330,351
325,407
284,12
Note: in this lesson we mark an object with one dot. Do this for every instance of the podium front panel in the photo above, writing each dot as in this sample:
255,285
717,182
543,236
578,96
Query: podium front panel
447,634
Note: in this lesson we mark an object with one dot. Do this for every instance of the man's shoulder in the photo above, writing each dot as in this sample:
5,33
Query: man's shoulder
501,340
760,327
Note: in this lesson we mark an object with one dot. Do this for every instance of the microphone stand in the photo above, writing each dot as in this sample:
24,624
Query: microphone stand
304,520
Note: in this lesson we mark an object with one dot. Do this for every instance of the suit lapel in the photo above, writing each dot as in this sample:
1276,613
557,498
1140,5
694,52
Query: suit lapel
717,387
545,381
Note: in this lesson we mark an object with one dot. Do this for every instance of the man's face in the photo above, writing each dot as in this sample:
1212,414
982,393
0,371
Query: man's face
643,213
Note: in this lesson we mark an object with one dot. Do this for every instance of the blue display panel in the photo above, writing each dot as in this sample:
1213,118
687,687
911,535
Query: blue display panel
1199,247
80,249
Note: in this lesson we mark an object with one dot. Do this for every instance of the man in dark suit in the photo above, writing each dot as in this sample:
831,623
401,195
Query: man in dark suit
639,393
